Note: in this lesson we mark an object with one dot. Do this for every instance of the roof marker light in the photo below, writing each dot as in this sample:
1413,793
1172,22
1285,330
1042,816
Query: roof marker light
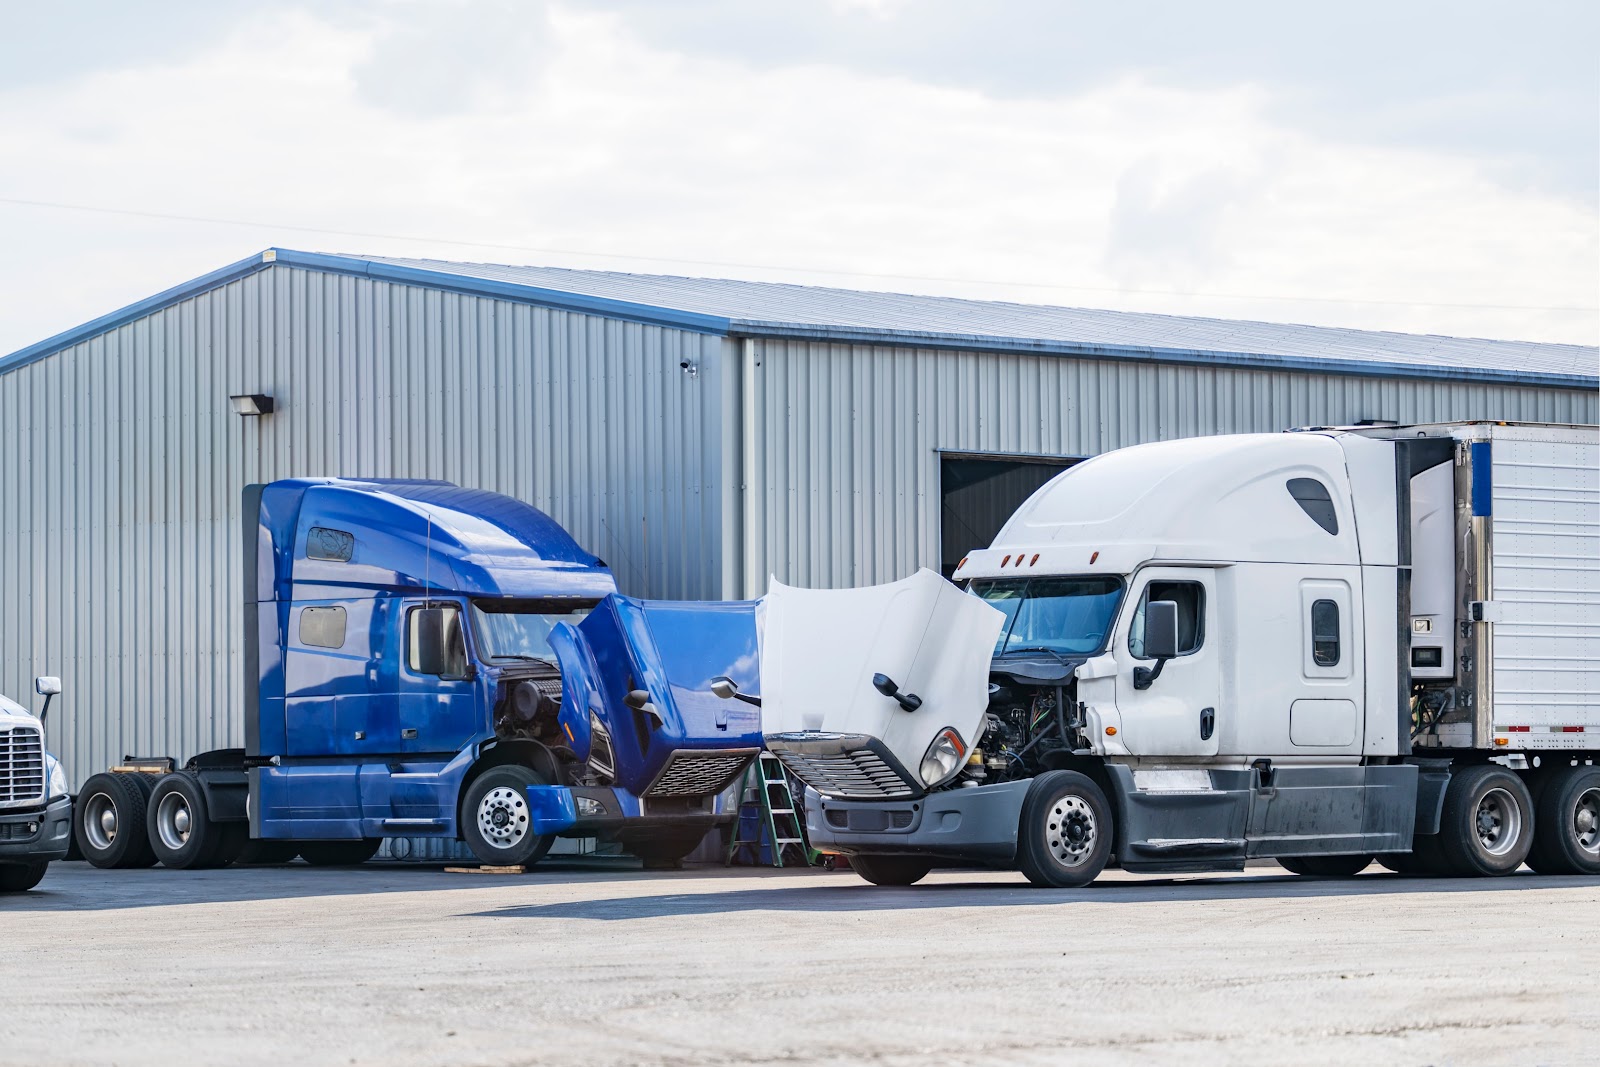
963,563
1006,560
1034,560
1094,556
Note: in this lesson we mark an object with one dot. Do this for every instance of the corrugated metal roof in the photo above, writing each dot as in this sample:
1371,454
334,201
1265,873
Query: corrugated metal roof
724,306
856,315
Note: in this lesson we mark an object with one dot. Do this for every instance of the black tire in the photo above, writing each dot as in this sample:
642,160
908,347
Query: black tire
179,825
1486,827
339,853
891,870
666,851
266,852
115,804
21,877
1326,866
1425,860
1566,837
1065,833
494,818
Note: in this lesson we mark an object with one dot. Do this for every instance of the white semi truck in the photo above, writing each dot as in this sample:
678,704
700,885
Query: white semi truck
1324,647
35,805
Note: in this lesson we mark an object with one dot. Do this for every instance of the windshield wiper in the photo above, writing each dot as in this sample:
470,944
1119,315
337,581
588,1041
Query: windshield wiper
517,655
1034,648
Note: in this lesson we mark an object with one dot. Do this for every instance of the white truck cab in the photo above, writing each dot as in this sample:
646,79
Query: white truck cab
35,807
1321,646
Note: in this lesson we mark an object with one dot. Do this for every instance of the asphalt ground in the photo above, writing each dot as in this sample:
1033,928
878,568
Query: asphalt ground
596,962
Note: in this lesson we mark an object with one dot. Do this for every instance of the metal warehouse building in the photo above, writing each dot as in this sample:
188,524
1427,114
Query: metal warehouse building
698,434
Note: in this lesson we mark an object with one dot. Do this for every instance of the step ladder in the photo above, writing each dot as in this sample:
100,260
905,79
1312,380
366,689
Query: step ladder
764,794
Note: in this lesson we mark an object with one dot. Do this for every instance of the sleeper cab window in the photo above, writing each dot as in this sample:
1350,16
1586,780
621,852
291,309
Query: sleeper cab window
336,546
455,664
1325,633
1191,600
322,627
1315,501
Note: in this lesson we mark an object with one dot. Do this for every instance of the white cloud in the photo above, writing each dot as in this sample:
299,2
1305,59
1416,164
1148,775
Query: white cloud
604,143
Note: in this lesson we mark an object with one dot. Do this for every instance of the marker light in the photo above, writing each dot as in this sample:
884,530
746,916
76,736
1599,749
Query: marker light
1111,731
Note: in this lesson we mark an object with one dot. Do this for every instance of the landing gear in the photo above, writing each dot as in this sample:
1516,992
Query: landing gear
1064,838
1567,820
495,819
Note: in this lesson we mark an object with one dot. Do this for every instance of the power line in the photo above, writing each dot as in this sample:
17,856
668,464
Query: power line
770,267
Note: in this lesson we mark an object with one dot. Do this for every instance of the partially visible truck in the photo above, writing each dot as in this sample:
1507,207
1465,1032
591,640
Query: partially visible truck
1321,647
423,660
35,804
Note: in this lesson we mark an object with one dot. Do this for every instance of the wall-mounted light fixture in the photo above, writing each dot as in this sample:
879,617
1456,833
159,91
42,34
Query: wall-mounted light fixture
251,404
691,369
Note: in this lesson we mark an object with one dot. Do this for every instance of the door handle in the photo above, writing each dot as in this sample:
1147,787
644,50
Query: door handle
409,733
1208,723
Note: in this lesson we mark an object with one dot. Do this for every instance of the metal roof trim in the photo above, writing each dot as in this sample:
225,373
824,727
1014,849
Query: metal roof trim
122,316
561,300
1151,354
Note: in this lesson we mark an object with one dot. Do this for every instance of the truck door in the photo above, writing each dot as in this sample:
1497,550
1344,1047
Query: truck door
1179,713
439,713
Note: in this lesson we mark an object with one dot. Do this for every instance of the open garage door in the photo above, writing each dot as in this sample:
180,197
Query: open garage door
978,493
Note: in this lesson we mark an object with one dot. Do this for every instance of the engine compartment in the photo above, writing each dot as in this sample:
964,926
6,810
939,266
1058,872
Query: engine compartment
1032,725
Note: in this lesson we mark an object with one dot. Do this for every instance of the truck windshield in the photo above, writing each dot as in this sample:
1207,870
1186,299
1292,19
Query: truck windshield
511,629
1066,616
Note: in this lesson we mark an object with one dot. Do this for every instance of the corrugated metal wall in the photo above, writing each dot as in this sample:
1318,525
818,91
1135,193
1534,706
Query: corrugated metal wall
841,442
121,467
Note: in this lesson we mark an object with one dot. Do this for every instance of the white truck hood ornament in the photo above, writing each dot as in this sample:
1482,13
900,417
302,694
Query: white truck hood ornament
821,648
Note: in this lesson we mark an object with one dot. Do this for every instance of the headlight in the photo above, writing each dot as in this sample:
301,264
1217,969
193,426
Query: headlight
943,757
55,778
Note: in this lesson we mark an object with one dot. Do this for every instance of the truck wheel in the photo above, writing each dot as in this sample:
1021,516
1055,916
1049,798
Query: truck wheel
108,821
1566,837
266,852
1064,837
1326,866
891,870
1424,860
21,877
1487,823
494,818
339,853
180,827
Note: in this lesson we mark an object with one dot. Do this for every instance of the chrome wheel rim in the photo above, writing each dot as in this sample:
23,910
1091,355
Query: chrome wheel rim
1071,830
174,821
1586,821
100,821
1498,822
503,816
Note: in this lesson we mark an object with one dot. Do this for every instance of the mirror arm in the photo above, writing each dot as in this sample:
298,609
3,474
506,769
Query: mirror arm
1145,677
45,711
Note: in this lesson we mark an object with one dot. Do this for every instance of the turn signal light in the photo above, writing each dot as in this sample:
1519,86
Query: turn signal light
1111,731
1502,740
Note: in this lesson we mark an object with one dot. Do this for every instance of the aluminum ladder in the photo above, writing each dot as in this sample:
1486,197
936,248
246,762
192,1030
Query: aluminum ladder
764,791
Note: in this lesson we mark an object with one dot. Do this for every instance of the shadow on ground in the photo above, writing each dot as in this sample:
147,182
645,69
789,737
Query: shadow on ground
857,896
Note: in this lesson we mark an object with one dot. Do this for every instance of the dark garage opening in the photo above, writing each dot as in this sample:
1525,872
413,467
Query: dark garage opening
979,493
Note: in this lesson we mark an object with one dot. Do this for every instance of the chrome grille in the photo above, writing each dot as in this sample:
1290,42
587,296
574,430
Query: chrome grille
21,766
859,774
699,774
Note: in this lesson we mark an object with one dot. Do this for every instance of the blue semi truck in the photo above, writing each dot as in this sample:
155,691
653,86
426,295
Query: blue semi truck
424,660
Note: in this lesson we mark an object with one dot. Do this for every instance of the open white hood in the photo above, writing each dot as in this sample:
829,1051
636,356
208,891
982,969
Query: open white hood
821,648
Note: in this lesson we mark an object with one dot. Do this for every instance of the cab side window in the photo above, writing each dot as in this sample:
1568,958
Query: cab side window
1191,600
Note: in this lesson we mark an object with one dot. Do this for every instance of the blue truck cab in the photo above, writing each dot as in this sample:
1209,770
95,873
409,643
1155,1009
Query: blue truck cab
424,660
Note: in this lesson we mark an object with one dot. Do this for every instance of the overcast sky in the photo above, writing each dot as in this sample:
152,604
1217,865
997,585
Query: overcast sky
1419,166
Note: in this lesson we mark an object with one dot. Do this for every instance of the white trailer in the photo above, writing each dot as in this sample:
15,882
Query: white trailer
1323,647
35,807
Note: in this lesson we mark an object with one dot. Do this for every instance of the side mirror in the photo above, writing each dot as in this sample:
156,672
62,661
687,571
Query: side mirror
639,700
437,631
1160,640
886,685
728,689
46,686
